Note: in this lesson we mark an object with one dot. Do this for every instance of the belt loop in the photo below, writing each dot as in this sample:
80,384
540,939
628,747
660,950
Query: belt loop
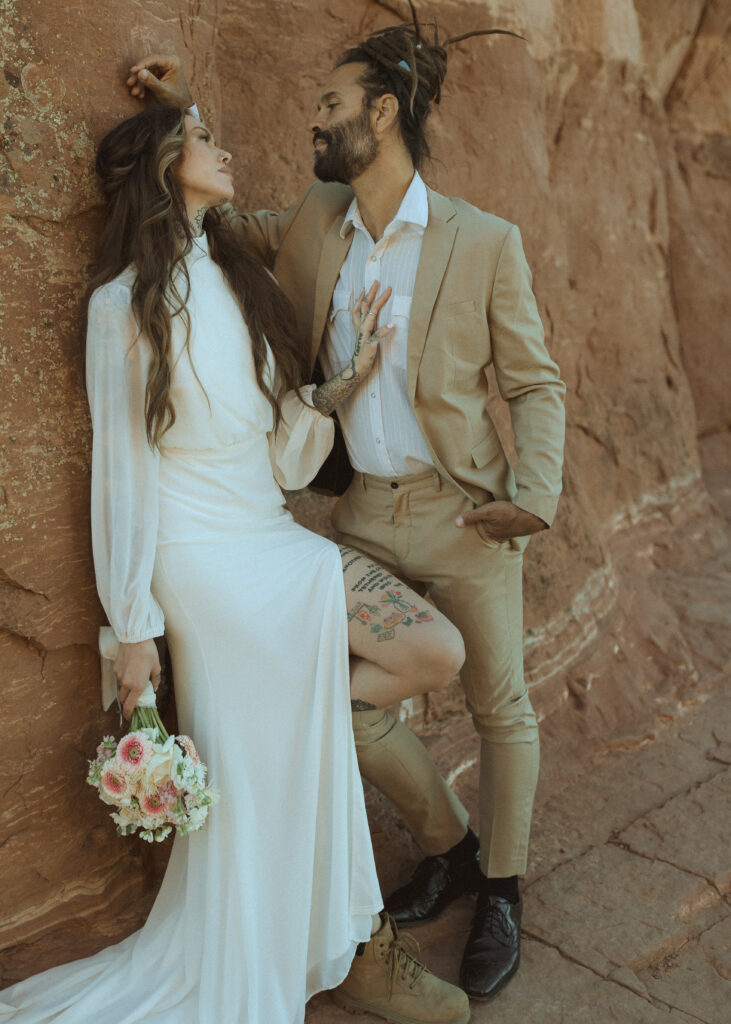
437,481
363,481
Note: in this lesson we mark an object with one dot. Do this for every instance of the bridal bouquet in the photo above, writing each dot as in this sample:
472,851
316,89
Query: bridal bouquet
155,781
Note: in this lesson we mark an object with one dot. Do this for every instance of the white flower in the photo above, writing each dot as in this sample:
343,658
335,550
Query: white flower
161,764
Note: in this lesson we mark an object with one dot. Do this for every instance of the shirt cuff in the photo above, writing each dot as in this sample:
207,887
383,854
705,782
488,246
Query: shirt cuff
541,505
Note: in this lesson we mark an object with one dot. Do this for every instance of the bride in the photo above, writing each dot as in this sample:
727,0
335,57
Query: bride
193,374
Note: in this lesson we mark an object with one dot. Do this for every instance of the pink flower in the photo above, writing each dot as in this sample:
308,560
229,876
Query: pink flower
153,803
134,752
169,793
189,747
113,785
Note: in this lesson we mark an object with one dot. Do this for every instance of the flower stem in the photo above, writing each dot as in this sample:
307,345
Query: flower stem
148,718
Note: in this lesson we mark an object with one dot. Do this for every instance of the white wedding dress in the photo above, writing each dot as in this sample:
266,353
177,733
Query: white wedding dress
265,905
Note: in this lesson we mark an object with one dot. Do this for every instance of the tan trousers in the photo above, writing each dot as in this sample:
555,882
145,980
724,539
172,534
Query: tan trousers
407,524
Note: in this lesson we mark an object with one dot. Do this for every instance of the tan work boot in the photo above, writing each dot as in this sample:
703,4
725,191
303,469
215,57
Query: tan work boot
388,981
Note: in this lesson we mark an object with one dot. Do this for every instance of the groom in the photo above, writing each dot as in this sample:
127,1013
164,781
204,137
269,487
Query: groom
431,494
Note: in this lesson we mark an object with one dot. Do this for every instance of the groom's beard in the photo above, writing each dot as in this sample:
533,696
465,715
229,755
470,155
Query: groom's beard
351,148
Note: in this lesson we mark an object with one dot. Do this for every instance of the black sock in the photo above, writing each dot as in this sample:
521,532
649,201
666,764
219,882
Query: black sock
465,849
505,887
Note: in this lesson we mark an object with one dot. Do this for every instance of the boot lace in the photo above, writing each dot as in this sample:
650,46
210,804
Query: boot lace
401,960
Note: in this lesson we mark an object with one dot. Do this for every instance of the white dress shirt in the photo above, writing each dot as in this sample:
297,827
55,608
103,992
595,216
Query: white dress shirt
379,426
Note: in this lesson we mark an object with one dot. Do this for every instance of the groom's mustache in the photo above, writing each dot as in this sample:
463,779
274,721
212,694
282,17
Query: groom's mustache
322,137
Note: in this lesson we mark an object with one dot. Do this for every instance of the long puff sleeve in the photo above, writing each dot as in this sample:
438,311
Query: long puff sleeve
302,442
124,477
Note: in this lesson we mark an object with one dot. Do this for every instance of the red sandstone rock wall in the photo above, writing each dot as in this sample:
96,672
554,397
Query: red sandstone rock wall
61,89
606,138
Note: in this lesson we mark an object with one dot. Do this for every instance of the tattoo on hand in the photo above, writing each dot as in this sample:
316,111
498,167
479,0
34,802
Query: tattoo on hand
329,395
361,705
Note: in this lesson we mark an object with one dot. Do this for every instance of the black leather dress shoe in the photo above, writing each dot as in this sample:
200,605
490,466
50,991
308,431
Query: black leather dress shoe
436,882
492,953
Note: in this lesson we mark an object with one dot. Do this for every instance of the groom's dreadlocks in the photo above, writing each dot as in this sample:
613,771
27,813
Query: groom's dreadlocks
403,62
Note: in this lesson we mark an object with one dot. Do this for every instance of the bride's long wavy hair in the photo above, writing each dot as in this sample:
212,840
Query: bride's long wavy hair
147,226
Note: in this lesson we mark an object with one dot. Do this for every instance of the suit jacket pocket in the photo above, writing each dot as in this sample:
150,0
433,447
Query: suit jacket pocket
462,334
342,339
448,309
487,449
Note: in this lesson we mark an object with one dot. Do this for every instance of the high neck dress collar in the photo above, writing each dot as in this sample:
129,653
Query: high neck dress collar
198,249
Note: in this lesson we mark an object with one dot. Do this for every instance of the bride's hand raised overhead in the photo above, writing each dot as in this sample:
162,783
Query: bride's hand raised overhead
162,75
367,339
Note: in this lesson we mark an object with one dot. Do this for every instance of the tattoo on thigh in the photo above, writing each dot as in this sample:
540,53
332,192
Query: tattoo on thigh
361,705
393,610
375,578
351,555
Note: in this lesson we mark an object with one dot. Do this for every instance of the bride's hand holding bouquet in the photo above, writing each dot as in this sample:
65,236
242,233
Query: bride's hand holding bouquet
135,666
155,781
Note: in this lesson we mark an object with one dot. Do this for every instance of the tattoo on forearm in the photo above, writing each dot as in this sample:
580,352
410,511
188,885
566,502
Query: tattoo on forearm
334,391
361,705
329,395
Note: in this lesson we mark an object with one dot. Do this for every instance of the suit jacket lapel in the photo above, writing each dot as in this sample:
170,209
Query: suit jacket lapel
436,249
332,256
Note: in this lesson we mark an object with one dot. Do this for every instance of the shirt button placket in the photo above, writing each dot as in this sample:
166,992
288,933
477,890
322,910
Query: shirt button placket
371,271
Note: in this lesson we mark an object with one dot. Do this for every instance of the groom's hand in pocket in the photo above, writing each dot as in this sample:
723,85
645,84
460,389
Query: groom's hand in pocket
160,74
502,520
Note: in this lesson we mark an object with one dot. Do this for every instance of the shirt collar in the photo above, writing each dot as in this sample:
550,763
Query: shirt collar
414,210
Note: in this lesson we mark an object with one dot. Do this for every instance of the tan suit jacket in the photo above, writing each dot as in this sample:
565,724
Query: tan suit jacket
472,306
